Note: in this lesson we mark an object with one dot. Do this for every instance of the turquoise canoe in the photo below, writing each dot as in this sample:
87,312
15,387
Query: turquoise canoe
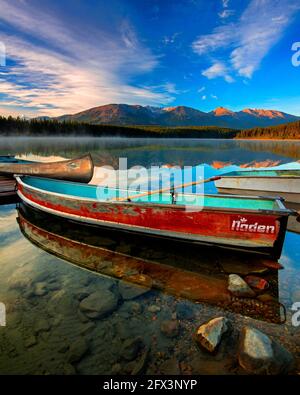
283,183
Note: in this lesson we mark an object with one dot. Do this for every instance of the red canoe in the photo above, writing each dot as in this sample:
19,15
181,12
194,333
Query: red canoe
252,224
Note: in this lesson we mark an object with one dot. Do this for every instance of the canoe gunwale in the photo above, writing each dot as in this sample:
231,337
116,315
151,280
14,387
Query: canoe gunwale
283,211
263,177
221,195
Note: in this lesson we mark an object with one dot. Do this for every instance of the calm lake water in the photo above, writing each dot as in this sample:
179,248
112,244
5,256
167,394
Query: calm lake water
137,306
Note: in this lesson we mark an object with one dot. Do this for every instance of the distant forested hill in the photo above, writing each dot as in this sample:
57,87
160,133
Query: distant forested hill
39,127
49,127
286,131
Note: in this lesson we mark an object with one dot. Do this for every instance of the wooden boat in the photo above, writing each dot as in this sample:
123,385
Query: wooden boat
8,182
7,187
77,244
80,169
284,183
244,223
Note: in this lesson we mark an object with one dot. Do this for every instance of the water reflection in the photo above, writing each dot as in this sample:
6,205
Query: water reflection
199,274
146,152
294,221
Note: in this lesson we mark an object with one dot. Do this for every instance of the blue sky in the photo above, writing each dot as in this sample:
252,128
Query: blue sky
64,56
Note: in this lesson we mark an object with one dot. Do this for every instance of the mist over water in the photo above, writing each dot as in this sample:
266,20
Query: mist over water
147,152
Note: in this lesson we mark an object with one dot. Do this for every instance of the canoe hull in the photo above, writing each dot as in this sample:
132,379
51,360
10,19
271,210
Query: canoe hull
242,230
79,170
286,187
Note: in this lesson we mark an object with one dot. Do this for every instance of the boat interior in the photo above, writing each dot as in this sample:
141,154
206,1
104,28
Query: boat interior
104,193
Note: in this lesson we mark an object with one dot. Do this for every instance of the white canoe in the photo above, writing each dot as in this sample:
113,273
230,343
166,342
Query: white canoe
284,183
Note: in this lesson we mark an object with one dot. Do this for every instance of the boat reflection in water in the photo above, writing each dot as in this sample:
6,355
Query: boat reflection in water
196,273
293,224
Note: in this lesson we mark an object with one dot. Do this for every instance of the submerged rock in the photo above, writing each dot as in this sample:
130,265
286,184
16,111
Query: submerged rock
184,311
201,366
209,335
77,350
258,354
104,284
131,348
116,368
40,289
42,325
135,286
63,348
54,286
99,304
30,341
83,318
170,367
82,293
238,287
154,309
257,282
20,283
265,298
87,328
170,328
69,370
142,362
134,307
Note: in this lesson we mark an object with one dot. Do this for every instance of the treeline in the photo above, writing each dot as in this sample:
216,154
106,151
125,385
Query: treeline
37,127
288,131
47,127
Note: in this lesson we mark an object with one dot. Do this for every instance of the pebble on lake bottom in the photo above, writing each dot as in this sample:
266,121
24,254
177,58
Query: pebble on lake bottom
258,354
209,335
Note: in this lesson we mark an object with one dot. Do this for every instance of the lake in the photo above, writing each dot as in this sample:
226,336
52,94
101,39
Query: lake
85,301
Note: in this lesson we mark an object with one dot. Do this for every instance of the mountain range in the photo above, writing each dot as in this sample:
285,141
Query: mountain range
125,114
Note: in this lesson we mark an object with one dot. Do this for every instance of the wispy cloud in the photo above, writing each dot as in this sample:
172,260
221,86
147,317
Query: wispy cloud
170,39
226,13
2,55
60,69
218,69
248,40
128,35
